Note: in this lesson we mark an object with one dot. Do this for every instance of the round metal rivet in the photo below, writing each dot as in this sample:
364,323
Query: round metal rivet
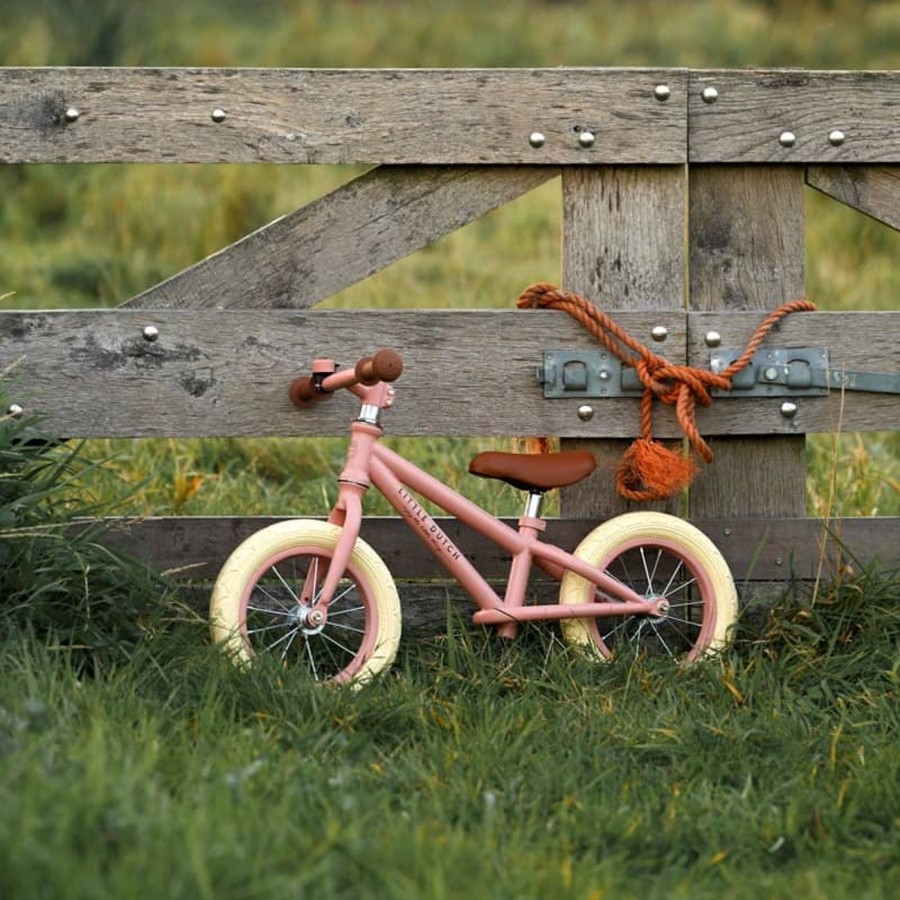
771,373
662,92
586,138
72,114
585,413
713,339
726,532
14,410
536,139
836,138
779,561
787,138
151,333
710,95
659,332
218,115
788,409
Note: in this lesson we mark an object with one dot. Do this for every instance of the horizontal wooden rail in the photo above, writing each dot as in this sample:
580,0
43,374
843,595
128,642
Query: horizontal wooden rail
225,372
793,116
484,116
766,550
458,116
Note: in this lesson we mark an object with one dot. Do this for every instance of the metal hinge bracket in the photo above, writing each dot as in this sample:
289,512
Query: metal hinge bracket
777,372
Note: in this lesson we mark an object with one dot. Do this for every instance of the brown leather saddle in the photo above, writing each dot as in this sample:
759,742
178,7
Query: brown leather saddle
537,472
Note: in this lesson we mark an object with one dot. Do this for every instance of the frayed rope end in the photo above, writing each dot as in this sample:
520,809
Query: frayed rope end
651,471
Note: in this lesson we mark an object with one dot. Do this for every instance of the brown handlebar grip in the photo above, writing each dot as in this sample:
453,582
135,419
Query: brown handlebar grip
385,365
303,393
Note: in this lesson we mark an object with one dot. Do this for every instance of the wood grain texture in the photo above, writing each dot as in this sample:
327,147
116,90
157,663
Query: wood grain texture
755,107
746,230
338,240
873,190
226,372
756,549
623,248
855,341
415,116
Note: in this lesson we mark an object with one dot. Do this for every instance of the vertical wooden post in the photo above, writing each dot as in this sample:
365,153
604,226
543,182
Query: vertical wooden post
746,231
623,248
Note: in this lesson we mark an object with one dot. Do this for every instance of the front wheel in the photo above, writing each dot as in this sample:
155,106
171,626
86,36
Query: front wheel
659,557
263,597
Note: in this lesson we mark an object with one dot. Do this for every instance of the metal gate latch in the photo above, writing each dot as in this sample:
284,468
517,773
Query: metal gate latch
778,372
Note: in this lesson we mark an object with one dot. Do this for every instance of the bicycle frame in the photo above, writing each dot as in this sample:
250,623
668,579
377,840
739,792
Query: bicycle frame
370,463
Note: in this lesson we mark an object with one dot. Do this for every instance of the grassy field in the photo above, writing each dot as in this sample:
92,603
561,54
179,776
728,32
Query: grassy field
137,763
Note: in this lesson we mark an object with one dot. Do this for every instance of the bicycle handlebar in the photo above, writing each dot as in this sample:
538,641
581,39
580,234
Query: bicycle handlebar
307,390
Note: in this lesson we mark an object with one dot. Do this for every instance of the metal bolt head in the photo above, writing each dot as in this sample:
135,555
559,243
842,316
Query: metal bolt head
787,138
585,412
836,138
710,95
713,339
14,410
537,139
770,373
659,332
662,92
72,114
788,409
151,333
586,138
218,115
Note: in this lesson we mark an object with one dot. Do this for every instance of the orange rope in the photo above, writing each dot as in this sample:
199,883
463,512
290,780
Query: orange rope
649,471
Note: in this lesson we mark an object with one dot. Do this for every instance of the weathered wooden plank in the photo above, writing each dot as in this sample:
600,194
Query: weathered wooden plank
855,341
873,190
357,230
793,116
623,248
428,116
226,372
764,549
746,232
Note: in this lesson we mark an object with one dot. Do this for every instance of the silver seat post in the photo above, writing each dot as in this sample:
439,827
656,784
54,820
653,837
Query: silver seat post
533,505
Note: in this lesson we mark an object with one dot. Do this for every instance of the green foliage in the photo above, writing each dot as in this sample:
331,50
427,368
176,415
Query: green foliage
475,768
57,579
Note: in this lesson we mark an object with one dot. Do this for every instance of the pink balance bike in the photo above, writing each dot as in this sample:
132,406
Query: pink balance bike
315,594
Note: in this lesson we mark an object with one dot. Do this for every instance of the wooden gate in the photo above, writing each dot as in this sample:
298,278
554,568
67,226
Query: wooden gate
682,198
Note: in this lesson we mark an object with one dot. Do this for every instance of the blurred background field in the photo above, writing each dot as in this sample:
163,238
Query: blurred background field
83,236
137,762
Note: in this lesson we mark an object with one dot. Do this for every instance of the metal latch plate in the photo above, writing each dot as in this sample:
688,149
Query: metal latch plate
778,372
581,373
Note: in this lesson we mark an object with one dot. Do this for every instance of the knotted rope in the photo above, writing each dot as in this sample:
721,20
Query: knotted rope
648,470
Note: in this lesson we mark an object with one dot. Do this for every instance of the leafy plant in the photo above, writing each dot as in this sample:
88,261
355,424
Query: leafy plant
57,578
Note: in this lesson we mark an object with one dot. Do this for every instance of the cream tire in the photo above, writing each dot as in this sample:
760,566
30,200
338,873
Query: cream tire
662,556
254,605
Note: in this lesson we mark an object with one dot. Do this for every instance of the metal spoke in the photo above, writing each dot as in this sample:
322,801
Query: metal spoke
290,644
312,661
273,645
344,627
678,568
345,612
273,597
331,640
277,625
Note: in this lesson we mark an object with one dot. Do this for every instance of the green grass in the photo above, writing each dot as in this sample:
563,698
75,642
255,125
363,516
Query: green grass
137,763
472,770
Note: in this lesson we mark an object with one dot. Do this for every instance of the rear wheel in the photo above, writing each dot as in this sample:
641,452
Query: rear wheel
263,602
659,557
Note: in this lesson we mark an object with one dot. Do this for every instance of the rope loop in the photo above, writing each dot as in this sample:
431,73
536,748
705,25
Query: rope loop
650,471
